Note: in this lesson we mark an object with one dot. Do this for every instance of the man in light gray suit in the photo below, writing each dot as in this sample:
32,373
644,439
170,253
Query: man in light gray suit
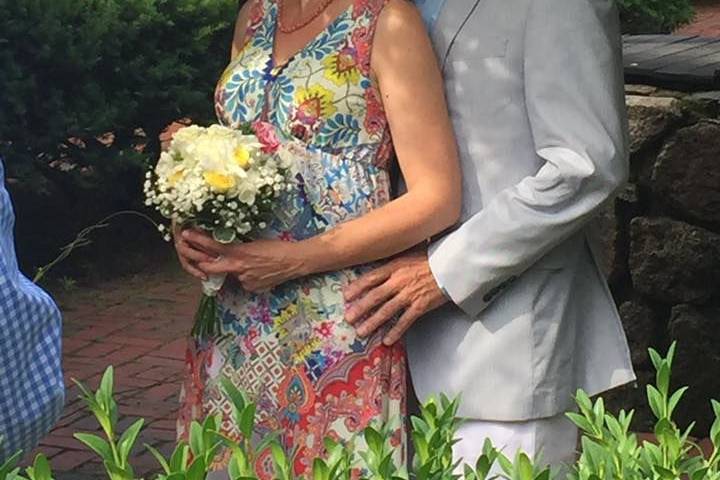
510,309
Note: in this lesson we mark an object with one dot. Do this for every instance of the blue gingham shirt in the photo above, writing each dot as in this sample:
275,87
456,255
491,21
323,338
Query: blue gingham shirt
32,392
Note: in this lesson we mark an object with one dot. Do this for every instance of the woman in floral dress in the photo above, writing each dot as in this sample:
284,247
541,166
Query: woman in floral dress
351,79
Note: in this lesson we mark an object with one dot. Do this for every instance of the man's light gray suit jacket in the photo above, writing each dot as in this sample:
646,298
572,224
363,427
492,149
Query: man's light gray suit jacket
535,91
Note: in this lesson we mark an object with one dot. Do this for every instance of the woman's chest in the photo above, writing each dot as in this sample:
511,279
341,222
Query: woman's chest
324,95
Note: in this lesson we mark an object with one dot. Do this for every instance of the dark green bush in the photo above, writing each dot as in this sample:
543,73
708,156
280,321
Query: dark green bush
654,16
75,70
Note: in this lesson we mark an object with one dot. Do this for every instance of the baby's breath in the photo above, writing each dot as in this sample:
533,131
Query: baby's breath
199,181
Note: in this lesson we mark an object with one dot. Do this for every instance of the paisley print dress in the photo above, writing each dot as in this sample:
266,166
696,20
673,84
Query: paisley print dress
290,349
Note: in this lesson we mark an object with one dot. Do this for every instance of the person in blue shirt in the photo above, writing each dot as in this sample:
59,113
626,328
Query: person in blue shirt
32,391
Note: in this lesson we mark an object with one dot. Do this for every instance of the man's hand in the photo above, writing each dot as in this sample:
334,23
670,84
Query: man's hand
404,284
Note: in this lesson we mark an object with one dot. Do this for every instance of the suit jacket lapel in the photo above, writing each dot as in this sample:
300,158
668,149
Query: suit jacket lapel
452,19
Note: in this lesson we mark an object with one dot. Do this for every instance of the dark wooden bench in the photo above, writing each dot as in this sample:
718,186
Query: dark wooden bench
673,61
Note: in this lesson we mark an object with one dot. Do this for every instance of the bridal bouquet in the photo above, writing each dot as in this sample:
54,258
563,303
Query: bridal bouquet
221,180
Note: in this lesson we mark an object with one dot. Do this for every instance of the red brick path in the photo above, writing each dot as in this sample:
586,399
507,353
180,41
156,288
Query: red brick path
707,20
138,324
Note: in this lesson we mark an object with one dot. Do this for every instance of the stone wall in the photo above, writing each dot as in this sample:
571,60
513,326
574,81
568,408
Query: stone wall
662,242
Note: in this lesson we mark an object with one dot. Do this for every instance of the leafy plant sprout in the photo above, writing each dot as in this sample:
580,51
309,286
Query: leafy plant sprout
609,450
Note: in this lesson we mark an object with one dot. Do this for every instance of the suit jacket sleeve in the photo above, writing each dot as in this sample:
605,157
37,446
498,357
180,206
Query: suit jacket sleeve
575,102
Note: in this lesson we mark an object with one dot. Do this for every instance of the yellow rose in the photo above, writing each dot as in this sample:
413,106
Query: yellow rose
242,157
218,181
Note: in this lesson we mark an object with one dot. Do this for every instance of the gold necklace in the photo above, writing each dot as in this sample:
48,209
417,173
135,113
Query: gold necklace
300,24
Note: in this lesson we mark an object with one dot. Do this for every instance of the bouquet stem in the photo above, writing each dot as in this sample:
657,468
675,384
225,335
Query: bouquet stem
207,323
206,319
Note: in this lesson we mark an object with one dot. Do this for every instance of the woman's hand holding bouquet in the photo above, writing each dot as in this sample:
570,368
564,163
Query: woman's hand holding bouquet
221,181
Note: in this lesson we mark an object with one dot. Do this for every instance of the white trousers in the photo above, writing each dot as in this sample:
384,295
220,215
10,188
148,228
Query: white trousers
551,440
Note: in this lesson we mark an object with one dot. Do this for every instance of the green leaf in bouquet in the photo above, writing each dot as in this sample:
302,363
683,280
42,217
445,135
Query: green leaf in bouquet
224,235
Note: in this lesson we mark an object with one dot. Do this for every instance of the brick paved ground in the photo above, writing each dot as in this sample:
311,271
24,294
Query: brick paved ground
138,324
707,20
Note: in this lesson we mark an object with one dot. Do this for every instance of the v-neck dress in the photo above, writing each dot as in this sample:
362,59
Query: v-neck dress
290,349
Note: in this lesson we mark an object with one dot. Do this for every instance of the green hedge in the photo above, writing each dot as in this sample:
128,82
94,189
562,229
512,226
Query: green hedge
654,16
74,70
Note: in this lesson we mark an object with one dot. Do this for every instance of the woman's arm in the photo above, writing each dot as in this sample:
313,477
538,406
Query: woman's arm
412,91
241,26
188,256
411,86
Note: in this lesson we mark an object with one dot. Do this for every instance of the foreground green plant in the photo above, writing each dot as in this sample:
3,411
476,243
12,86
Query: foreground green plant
113,450
40,469
609,450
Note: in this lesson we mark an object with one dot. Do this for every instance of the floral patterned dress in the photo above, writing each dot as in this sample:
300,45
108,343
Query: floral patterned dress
309,373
